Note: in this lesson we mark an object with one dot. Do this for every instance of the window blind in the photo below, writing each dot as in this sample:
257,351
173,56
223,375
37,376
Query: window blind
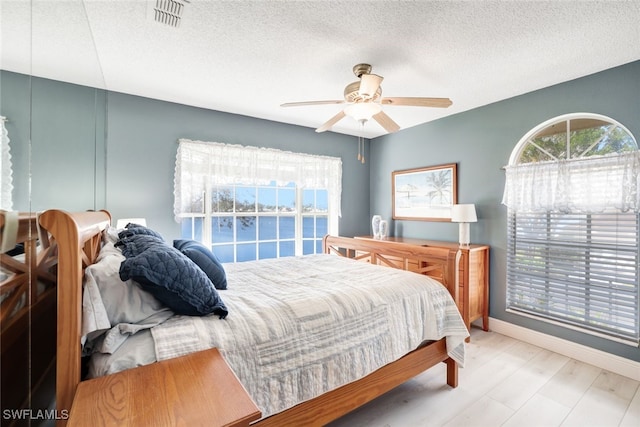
577,269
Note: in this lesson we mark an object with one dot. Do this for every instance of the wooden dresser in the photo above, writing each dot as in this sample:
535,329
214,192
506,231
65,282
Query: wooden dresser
473,276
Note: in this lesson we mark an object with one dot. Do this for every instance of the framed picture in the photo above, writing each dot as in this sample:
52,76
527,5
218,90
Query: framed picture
426,194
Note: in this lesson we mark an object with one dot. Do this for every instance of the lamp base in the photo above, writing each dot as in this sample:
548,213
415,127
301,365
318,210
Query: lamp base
463,233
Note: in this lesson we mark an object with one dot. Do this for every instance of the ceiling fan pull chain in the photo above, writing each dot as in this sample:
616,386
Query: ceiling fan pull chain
361,141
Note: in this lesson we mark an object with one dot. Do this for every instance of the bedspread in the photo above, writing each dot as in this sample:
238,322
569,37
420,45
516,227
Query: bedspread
300,326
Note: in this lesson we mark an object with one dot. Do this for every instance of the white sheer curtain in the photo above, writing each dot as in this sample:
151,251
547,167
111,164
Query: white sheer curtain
200,164
6,173
588,185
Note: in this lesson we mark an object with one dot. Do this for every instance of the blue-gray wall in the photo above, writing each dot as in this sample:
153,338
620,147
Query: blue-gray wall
57,142
92,149
133,140
142,145
480,141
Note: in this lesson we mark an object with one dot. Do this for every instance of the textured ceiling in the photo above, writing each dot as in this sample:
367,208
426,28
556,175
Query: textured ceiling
248,57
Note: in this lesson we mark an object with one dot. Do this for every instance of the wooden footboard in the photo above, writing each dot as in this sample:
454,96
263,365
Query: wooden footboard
331,406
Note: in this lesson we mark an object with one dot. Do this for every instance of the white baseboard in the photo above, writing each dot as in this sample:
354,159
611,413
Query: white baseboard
592,356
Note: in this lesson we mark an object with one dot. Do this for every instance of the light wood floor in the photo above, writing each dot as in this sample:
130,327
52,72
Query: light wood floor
506,382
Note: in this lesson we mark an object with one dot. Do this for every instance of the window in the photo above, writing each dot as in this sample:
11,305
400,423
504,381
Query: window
282,204
573,226
244,223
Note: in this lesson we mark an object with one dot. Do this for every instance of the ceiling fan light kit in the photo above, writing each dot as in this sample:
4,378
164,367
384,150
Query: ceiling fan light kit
363,111
364,99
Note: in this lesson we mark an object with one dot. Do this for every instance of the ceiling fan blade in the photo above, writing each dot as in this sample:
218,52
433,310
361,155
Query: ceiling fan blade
418,102
299,104
332,121
369,84
386,122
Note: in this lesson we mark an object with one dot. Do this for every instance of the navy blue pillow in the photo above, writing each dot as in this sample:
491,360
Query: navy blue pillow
174,280
133,229
205,259
135,244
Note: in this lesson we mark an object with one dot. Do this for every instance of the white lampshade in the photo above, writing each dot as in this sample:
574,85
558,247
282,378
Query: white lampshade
122,222
363,110
464,213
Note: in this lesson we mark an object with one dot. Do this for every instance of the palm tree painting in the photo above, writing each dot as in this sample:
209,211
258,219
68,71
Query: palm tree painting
426,193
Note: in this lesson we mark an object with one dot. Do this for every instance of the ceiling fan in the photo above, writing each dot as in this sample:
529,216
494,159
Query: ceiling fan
364,101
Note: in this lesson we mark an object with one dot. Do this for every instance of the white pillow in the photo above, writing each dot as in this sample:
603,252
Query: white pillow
110,234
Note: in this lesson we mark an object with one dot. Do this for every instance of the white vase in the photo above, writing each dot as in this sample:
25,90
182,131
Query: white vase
384,229
375,225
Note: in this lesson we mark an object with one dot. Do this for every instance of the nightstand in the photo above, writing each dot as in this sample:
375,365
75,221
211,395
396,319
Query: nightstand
198,389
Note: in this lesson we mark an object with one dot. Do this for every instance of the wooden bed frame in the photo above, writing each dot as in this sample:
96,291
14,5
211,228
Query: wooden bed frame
27,318
78,236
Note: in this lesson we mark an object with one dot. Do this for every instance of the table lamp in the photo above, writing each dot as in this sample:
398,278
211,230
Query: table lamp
464,214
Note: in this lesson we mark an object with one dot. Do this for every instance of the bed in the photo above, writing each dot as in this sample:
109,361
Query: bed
27,311
79,237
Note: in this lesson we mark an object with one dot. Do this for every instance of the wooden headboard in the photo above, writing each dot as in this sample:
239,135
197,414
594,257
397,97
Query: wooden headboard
79,237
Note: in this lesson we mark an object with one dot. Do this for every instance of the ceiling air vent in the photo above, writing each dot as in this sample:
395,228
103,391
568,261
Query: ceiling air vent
169,12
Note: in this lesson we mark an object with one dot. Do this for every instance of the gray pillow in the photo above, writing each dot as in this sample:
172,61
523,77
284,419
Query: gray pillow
108,301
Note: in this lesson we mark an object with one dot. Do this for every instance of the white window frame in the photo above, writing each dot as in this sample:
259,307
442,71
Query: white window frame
298,215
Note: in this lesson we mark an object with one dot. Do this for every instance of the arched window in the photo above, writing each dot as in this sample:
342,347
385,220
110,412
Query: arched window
573,197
